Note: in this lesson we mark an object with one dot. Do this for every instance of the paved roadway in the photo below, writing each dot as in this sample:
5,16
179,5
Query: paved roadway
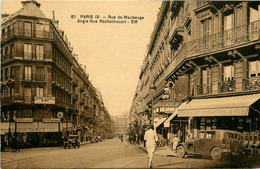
107,154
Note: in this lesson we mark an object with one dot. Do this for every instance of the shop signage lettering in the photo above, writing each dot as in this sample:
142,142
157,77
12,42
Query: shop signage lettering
44,100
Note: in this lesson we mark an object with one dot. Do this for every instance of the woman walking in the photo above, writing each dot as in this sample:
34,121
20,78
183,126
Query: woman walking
151,138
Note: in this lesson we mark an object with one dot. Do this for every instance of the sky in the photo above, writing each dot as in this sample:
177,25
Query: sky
112,52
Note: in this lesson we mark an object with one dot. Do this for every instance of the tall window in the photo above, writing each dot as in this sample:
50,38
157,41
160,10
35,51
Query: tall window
254,70
39,52
206,27
39,30
27,51
11,50
6,74
6,52
27,73
227,26
206,77
39,91
28,95
27,113
39,73
228,73
28,29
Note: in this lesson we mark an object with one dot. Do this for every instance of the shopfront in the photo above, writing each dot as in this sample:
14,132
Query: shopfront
239,113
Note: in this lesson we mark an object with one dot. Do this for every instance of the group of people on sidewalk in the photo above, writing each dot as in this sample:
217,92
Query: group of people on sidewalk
15,144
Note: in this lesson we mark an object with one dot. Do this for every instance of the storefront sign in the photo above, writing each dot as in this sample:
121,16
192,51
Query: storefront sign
44,100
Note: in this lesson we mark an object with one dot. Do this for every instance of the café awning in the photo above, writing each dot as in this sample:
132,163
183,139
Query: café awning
223,106
167,122
159,122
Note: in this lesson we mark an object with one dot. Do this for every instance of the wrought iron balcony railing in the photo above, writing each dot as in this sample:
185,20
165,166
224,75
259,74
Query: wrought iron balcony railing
226,86
221,40
204,89
251,84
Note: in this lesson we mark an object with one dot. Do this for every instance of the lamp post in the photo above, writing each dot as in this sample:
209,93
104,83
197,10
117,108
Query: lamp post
67,115
152,87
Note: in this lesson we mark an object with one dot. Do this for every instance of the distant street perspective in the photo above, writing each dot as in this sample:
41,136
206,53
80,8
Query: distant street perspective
194,103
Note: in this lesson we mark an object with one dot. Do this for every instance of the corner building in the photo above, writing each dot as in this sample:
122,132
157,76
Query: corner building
37,79
209,52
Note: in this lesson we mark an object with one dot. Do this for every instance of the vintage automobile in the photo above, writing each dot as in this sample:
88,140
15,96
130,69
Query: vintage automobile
215,143
71,141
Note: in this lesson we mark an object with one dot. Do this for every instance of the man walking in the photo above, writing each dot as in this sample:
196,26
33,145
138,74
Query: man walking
151,138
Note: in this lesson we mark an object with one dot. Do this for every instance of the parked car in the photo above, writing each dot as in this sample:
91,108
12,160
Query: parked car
71,141
215,143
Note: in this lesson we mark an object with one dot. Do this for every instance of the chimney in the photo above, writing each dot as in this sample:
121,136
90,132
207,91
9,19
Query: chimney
85,68
5,15
25,3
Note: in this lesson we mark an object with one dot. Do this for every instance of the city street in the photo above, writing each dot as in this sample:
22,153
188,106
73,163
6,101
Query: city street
107,154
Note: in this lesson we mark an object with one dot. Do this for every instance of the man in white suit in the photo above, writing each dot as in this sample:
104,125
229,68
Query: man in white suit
151,138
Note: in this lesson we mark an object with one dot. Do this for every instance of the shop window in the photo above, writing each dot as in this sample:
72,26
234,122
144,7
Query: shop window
27,73
27,51
39,52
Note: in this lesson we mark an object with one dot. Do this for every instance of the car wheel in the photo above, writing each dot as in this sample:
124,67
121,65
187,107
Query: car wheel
180,152
216,153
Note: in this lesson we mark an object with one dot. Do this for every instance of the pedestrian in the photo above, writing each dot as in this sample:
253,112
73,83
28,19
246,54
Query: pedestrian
122,138
151,139
175,142
13,143
18,144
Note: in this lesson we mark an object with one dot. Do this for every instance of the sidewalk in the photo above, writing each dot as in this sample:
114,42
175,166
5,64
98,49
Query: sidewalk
163,151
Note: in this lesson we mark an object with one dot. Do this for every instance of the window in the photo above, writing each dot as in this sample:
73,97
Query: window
39,52
206,76
227,26
27,51
11,50
28,29
39,73
6,52
27,95
39,91
3,32
6,74
254,69
206,27
27,113
27,73
39,30
2,75
228,73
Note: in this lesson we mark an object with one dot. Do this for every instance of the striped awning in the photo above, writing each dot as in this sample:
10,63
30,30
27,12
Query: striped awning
159,122
223,106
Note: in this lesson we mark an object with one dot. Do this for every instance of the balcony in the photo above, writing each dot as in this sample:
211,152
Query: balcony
63,103
204,89
225,39
74,82
251,84
226,86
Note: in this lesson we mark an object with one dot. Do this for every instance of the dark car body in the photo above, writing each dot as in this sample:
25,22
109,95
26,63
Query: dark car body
215,143
71,141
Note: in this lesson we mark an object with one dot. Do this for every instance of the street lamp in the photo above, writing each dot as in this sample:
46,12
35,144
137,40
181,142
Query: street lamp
152,87
67,114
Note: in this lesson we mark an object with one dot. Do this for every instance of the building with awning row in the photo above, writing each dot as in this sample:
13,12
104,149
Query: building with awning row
202,68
